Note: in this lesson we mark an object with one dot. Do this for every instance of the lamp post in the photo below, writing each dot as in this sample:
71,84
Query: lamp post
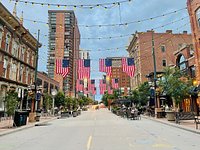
53,93
155,76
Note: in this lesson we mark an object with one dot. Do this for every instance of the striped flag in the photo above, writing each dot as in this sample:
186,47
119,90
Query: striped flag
105,65
102,67
62,67
65,67
108,64
79,85
94,91
115,83
58,66
102,86
91,85
128,66
83,68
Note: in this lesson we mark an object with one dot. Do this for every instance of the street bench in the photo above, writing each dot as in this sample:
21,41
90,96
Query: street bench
184,116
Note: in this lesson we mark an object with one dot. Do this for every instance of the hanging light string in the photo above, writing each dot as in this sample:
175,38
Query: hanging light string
83,6
118,36
114,25
143,43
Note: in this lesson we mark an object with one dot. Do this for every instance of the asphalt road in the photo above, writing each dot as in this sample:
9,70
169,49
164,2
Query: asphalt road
101,130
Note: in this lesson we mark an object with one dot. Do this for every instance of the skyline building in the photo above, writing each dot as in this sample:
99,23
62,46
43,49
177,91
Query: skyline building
64,42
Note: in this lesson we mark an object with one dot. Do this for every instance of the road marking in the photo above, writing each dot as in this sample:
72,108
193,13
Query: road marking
89,142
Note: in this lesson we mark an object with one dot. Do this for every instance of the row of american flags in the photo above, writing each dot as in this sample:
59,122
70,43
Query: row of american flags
128,66
103,86
83,69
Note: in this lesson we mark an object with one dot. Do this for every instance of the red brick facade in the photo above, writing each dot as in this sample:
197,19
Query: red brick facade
166,44
194,12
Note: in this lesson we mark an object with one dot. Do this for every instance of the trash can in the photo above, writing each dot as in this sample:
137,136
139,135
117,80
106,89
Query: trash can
20,118
74,113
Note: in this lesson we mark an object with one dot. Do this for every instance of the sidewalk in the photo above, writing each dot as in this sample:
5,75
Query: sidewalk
4,125
187,125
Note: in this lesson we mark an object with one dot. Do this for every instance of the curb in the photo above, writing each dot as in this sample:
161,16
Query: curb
173,125
25,127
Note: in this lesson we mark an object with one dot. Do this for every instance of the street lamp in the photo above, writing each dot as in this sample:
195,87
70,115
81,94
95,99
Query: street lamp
53,93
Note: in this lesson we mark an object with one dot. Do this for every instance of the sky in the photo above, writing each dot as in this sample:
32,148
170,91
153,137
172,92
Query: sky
135,10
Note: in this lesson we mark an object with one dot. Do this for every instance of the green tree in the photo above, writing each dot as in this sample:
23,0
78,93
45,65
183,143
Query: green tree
59,99
11,101
175,84
47,103
144,93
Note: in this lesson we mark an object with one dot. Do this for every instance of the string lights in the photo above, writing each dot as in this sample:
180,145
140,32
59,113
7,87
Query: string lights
116,24
83,6
119,36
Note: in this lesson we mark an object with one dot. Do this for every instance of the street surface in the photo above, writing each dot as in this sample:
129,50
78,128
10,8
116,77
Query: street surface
101,130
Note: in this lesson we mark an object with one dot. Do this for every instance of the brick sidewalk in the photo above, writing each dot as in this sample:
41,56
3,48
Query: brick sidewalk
7,128
187,125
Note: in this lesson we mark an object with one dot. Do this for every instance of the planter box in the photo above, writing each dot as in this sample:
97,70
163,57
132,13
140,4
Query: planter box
170,115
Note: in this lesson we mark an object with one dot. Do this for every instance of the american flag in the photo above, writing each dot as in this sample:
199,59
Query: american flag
102,86
65,67
105,65
115,83
62,67
83,68
91,85
110,90
128,66
94,91
79,85
102,67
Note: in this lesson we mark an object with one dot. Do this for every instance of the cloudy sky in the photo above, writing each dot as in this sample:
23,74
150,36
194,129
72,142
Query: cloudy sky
136,10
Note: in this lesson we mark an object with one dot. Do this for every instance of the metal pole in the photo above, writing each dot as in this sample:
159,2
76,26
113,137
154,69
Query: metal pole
36,68
154,64
53,112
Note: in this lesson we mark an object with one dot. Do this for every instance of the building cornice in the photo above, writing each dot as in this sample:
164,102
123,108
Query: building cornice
14,25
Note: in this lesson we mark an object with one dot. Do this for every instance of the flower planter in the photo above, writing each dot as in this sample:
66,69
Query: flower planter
170,115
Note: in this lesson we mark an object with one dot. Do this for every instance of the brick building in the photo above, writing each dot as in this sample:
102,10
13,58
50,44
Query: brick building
17,55
194,13
123,78
46,84
64,41
140,48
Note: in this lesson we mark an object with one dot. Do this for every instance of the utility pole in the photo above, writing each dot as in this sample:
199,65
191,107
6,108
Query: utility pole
36,69
154,64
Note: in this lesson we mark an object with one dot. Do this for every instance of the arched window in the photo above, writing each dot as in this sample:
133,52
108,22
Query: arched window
181,63
1,34
198,16
15,47
8,39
